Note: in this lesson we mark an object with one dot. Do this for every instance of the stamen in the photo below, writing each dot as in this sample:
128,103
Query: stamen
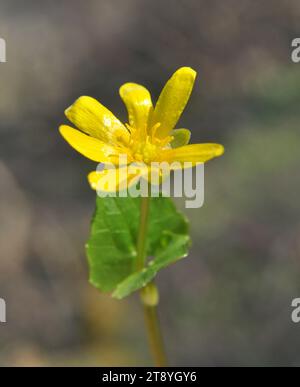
154,130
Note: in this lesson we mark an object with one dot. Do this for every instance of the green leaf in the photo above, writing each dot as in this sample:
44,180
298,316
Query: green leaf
176,249
111,248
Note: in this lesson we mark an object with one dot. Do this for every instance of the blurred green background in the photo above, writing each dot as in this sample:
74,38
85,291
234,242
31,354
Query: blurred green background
229,302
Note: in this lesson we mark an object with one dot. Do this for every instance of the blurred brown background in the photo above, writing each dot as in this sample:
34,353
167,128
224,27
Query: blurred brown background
229,302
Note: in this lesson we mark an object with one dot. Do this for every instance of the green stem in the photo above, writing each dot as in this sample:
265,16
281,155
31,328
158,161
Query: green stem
154,335
141,242
149,294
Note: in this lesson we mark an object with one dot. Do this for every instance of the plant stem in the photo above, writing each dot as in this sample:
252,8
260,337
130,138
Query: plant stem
141,242
149,294
155,336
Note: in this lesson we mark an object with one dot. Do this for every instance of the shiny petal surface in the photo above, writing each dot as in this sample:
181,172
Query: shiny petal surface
90,116
112,180
90,147
173,100
194,153
139,105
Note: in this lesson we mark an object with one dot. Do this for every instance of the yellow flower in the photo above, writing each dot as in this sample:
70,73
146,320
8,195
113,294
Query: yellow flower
148,137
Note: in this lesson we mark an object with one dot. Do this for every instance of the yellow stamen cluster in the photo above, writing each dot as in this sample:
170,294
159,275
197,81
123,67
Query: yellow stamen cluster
146,148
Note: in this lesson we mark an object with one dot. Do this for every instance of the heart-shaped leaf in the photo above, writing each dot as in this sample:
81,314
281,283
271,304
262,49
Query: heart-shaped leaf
111,248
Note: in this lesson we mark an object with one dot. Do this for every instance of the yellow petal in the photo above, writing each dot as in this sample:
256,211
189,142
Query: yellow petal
173,100
194,153
112,180
90,116
181,137
90,147
139,105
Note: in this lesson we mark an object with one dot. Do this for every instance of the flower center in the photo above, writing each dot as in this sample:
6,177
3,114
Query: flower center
145,146
144,152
